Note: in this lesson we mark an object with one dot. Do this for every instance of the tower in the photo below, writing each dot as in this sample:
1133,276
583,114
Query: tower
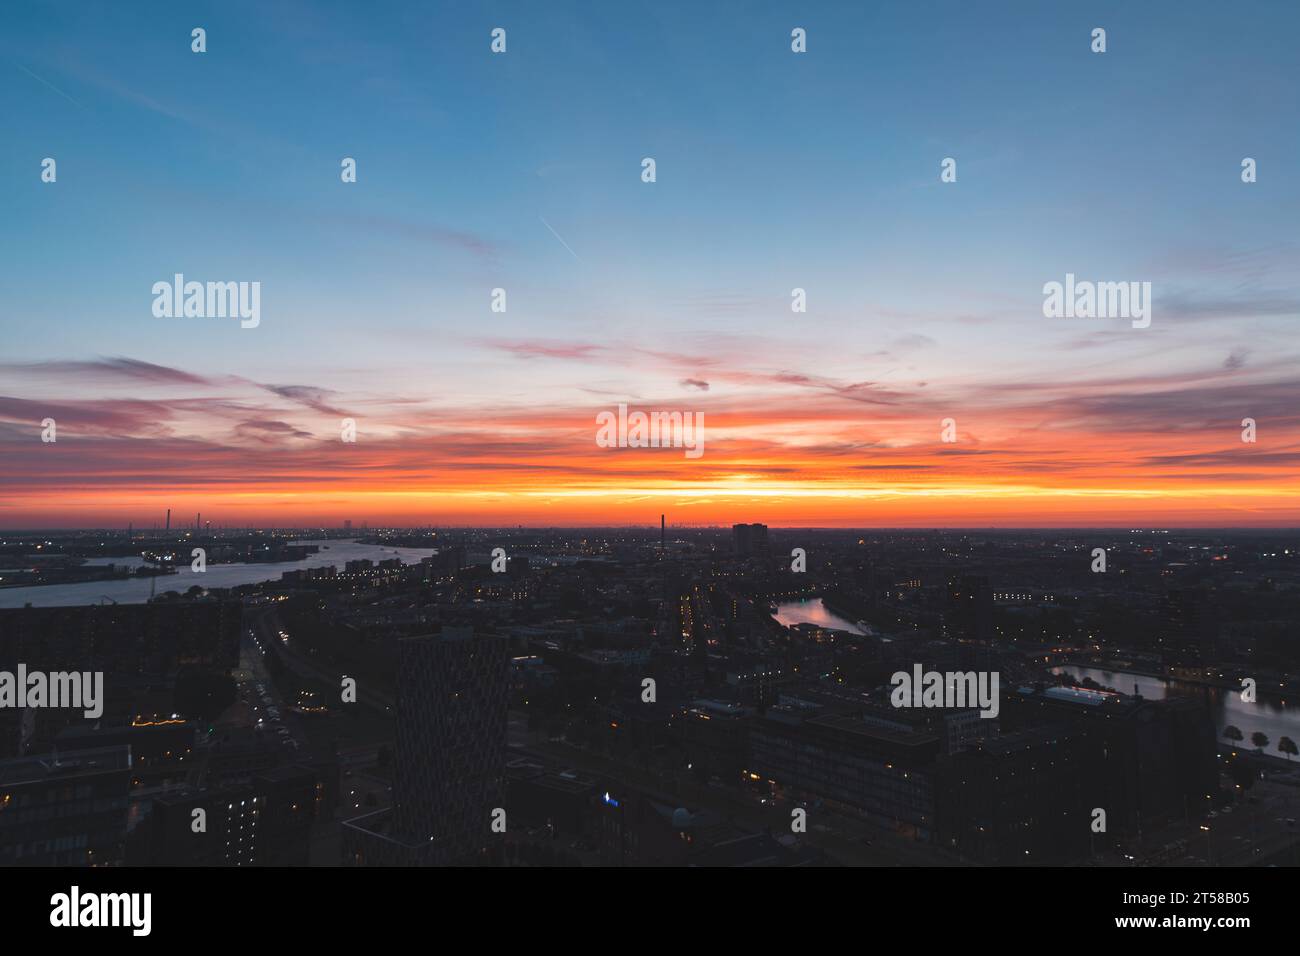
452,697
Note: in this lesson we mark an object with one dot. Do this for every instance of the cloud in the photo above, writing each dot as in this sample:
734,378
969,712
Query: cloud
107,370
269,430
543,349
99,417
783,433
308,395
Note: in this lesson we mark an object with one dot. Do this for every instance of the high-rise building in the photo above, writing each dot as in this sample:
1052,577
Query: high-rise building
749,539
452,697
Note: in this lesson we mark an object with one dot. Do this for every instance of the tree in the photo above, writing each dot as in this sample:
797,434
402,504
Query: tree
1231,733
1259,739
1288,747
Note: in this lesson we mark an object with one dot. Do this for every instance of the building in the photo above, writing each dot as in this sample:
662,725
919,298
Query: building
267,822
750,539
560,801
134,645
1022,798
67,809
452,697
879,773
1158,755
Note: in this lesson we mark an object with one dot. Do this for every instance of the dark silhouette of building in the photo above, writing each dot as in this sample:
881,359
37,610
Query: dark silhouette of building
1022,798
132,644
876,772
452,697
750,539
67,809
267,822
1158,756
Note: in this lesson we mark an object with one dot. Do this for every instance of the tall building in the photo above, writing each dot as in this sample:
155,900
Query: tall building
452,697
749,539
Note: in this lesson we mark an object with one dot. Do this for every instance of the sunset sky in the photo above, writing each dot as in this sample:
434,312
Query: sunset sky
775,171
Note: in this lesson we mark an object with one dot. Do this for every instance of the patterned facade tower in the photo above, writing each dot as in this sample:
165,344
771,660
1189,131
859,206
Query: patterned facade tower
452,698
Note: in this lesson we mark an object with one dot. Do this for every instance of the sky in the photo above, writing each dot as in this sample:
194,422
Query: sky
774,171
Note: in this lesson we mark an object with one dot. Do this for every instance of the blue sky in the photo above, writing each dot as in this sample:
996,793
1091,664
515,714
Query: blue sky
775,170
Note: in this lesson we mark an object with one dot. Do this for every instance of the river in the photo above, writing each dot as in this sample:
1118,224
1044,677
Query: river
137,590
814,611
1270,715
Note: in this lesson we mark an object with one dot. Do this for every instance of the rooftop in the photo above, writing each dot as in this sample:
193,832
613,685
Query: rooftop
68,763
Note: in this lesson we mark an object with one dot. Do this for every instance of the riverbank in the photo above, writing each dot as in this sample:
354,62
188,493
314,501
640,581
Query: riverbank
1263,690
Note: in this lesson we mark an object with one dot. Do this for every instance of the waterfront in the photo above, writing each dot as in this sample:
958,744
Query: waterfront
1269,715
137,590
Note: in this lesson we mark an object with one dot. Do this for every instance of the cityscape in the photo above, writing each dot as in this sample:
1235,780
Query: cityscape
642,696
604,436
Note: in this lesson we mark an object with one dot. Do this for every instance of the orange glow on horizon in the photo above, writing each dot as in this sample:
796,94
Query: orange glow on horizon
914,487
787,463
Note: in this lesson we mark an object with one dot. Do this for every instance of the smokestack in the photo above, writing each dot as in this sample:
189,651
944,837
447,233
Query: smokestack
196,522
169,519
661,532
